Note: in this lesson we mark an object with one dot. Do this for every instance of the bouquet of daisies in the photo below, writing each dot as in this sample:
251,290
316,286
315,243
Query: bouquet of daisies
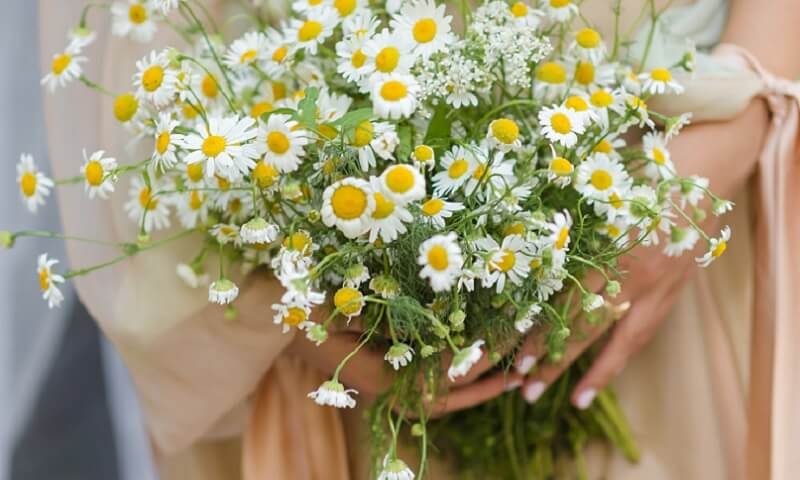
449,182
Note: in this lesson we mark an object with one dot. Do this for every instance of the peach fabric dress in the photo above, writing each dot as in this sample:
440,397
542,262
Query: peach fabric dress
709,398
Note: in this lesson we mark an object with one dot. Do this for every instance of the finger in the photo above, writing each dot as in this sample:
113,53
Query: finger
477,392
532,350
482,366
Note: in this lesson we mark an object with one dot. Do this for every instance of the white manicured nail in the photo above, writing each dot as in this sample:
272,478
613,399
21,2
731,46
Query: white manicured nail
514,384
534,391
585,398
526,364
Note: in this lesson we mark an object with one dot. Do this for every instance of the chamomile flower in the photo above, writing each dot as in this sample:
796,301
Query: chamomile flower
646,213
692,190
441,260
388,53
278,55
34,186
599,176
291,316
561,125
348,8
49,281
525,322
193,277
507,261
559,10
602,101
222,146
146,209
258,231
246,51
660,165
311,31
133,19
80,38
98,173
589,45
403,183
588,75
680,240
560,170
389,217
372,138
222,292
580,105
225,233
395,469
333,393
551,80
424,156
559,236
458,164
503,134
659,81
436,211
394,96
424,25
399,355
716,247
464,360
282,143
155,80
64,68
720,206
524,15
353,63
166,142
349,302
165,6
362,25
492,173
192,208
348,205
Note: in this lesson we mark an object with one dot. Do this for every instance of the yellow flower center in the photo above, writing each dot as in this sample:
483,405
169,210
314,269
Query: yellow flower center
60,63
519,9
344,7
400,179
561,123
514,229
604,146
423,153
505,130
364,133
195,171
577,103
584,73
358,59
279,54
146,200
235,206
152,78
458,168
294,316
278,91
44,279
637,103
265,174
94,173
299,242
551,72
393,91
222,183
125,107
248,56
278,142
437,258
214,145
309,30
587,38
661,75
601,180
432,207
507,261
601,98
658,156
189,111
348,202
535,263
615,200
162,143
719,249
209,86
559,3
328,131
383,207
561,167
387,59
561,240
260,108
424,30
347,300
28,184
480,171
137,14
613,230
195,200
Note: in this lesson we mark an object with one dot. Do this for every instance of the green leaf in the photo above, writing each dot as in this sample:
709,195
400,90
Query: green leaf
308,107
404,148
439,129
279,111
351,119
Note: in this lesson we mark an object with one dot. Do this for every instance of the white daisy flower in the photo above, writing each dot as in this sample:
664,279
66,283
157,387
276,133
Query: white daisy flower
349,302
225,233
389,217
561,125
166,142
441,260
362,25
403,183
133,19
551,80
98,173
506,261
246,51
591,302
258,231
349,8
353,63
424,156
64,68
371,138
222,292
559,171
588,45
388,53
144,208
599,176
308,33
716,247
399,355
34,186
355,275
693,190
655,149
721,206
503,134
588,75
48,281
190,276
559,234
156,82
291,316
492,172
659,81
348,204
525,16
458,164
424,25
464,360
394,96
395,469
580,105
333,393
302,6
602,102
222,145
80,38
278,55
646,213
525,322
559,10
436,211
282,143
681,240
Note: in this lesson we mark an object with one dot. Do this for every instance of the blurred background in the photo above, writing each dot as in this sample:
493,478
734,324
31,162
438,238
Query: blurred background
68,407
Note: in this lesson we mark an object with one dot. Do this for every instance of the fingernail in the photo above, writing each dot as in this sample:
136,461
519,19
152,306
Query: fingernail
534,391
513,384
526,364
585,398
